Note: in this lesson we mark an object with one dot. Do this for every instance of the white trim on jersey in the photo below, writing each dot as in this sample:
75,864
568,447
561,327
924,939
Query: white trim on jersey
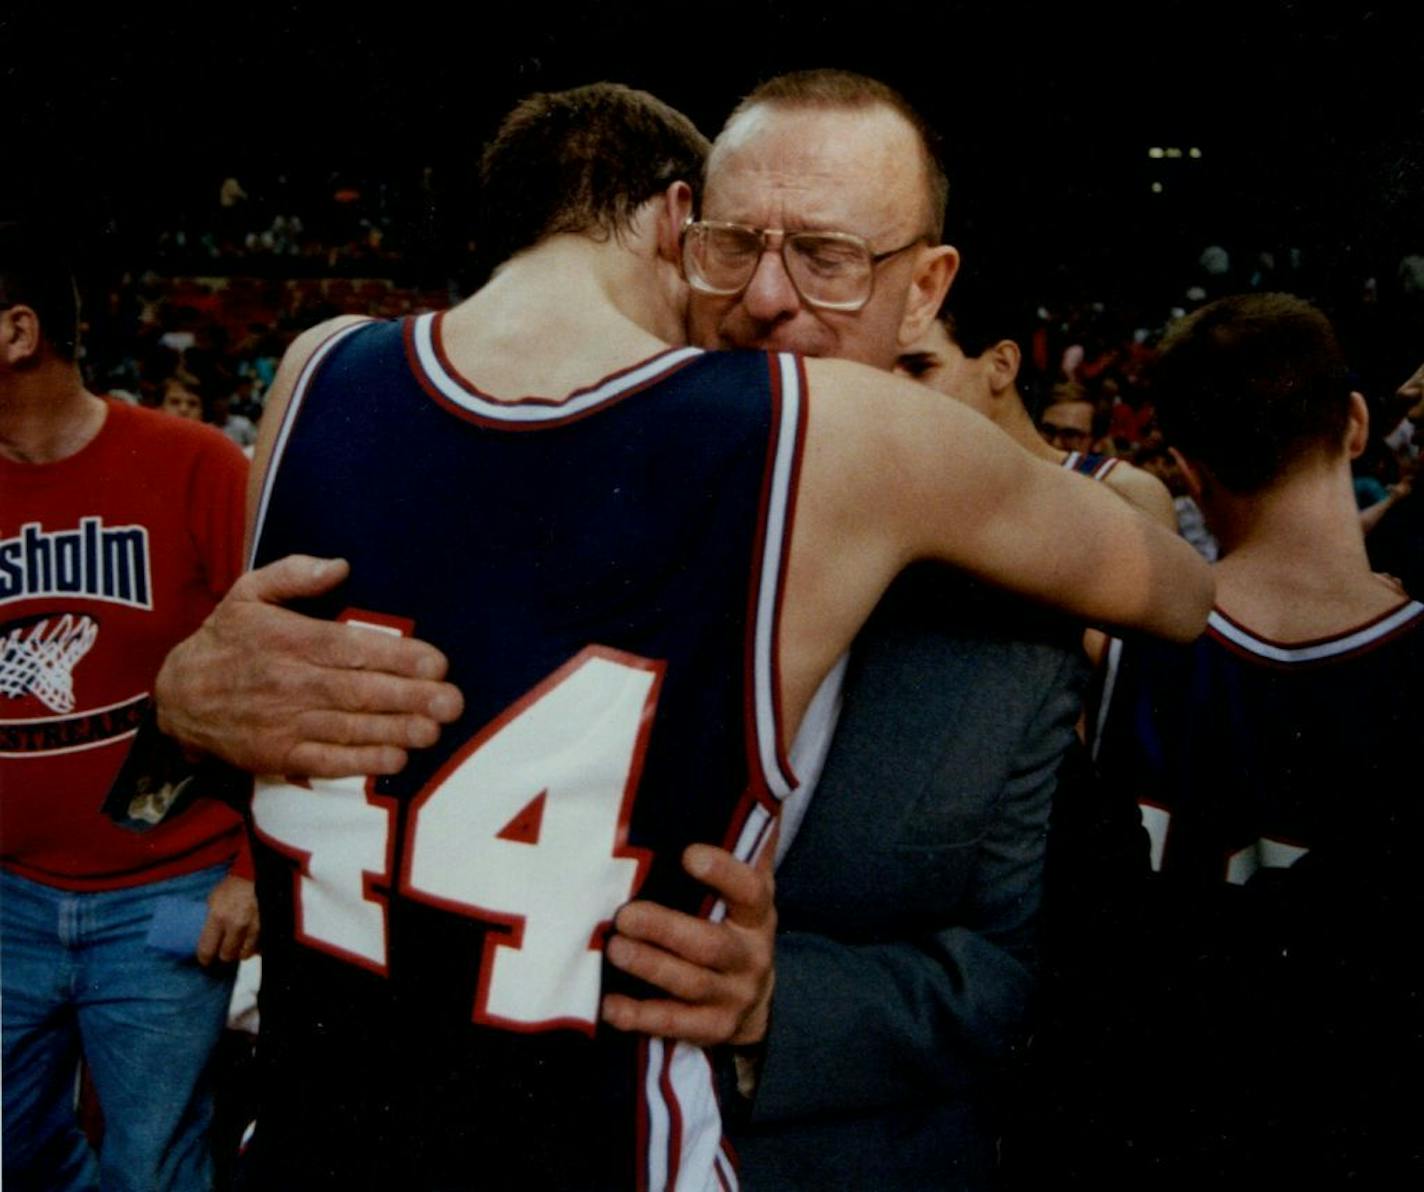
810,749
778,530
750,841
1104,466
423,336
1314,651
289,419
1114,660
689,1101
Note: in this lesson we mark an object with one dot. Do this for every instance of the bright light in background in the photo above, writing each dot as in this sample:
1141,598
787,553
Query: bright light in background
1194,152
1156,188
1156,151
1174,152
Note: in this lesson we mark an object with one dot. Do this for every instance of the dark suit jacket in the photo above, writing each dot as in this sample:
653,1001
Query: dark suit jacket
906,947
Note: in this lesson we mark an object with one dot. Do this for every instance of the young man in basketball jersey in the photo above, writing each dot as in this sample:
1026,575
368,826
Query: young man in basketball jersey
1275,761
641,561
969,352
119,530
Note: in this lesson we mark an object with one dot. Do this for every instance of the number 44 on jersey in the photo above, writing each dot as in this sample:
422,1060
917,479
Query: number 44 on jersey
524,828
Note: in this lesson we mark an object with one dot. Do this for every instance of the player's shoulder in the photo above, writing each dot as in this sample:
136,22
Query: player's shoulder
310,341
1143,490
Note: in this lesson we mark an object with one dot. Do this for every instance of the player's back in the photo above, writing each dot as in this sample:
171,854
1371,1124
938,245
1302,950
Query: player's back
603,573
1278,784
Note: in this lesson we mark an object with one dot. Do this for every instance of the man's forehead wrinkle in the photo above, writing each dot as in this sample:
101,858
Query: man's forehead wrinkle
816,170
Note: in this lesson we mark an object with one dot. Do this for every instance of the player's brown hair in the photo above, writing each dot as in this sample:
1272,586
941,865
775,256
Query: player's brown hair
1251,384
580,161
847,91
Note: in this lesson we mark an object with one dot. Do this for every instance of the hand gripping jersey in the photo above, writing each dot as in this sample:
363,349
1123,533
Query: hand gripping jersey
604,574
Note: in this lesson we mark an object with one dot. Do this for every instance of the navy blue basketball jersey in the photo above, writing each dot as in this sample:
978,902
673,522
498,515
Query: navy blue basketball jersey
1275,986
1089,464
1237,748
604,574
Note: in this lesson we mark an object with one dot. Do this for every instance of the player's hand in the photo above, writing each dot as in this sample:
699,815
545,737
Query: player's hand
720,975
277,693
231,930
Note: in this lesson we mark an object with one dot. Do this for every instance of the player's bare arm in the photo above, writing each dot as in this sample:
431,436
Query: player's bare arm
275,692
1146,492
929,479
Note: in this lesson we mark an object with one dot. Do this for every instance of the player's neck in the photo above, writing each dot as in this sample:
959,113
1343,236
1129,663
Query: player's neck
1293,563
46,414
562,316
1015,421
588,286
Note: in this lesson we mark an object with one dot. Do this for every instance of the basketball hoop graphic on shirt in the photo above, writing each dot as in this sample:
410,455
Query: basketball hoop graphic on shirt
38,656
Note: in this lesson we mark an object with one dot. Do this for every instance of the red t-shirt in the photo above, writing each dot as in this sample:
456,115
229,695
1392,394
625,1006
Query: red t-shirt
107,560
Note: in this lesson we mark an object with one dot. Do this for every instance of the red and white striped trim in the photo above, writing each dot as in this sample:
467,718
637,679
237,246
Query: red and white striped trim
450,387
787,438
1106,465
1230,632
684,1125
289,419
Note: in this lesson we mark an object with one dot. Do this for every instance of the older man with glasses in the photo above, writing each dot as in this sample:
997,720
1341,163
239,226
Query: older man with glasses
909,881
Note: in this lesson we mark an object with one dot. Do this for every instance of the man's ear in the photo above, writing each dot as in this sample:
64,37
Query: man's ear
934,272
19,335
1357,430
1003,360
676,210
1190,476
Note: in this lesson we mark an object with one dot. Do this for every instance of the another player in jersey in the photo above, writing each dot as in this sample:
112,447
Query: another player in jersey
1276,765
972,352
641,560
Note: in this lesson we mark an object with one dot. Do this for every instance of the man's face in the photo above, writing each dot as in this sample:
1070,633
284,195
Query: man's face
937,361
1068,425
810,170
182,402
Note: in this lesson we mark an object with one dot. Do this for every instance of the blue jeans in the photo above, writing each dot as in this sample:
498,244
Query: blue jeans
78,975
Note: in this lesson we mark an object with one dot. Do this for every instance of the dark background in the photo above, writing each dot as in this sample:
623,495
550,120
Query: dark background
1310,124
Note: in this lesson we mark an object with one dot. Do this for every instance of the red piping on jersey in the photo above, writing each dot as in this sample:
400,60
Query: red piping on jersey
1365,647
729,1152
721,1178
753,736
426,383
640,1179
753,796
674,1155
793,485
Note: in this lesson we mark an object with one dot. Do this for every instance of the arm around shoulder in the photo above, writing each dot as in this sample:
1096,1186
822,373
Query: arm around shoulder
934,480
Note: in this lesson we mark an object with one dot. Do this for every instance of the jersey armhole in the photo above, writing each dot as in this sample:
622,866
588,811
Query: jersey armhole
289,419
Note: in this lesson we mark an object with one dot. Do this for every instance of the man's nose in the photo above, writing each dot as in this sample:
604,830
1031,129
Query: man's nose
771,295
